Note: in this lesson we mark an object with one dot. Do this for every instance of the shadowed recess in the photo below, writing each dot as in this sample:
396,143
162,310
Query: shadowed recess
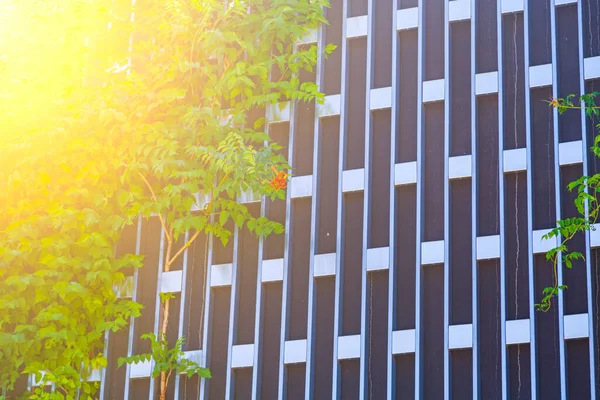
544,214
486,36
578,369
595,265
460,254
304,131
434,39
357,8
569,124
328,185
379,231
269,357
460,92
591,28
540,52
405,377
332,67
296,374
519,371
299,268
350,378
514,81
406,222
352,263
516,246
406,96
546,325
433,174
461,362
139,389
242,383
356,103
377,331
575,296
382,43
487,166
275,209
146,285
433,332
325,301
247,270
489,329
195,294
221,298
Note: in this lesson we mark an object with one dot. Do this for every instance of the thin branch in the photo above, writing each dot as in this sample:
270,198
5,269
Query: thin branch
162,222
185,246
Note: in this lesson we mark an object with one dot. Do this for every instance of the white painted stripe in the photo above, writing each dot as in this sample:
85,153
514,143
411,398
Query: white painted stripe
279,112
595,235
301,186
295,351
324,265
432,252
433,91
540,75
171,282
517,331
353,180
330,106
378,258
591,67
124,289
356,26
272,270
381,98
405,173
348,347
486,83
309,38
403,342
576,326
459,167
542,245
407,18
515,160
459,10
141,370
249,197
242,355
488,247
221,275
570,153
461,336
512,6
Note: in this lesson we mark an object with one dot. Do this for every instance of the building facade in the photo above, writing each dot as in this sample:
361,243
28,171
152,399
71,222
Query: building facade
412,256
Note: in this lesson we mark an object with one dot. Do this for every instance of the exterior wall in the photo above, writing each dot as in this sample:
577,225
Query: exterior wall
412,256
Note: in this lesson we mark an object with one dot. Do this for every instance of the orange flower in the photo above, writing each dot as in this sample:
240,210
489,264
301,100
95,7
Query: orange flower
280,179
554,102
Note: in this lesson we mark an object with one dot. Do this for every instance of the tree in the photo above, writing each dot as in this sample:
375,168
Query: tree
175,124
586,202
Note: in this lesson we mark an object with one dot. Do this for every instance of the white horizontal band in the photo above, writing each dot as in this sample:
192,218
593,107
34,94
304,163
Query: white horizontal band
378,258
272,270
294,351
301,186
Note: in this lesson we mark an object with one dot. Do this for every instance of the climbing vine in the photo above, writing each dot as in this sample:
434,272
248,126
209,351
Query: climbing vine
167,125
586,202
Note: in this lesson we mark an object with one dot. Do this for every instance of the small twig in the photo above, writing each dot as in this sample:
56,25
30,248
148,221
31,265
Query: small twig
162,222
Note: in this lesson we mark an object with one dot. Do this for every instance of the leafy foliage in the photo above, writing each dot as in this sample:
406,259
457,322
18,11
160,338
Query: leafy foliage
171,359
586,202
168,126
